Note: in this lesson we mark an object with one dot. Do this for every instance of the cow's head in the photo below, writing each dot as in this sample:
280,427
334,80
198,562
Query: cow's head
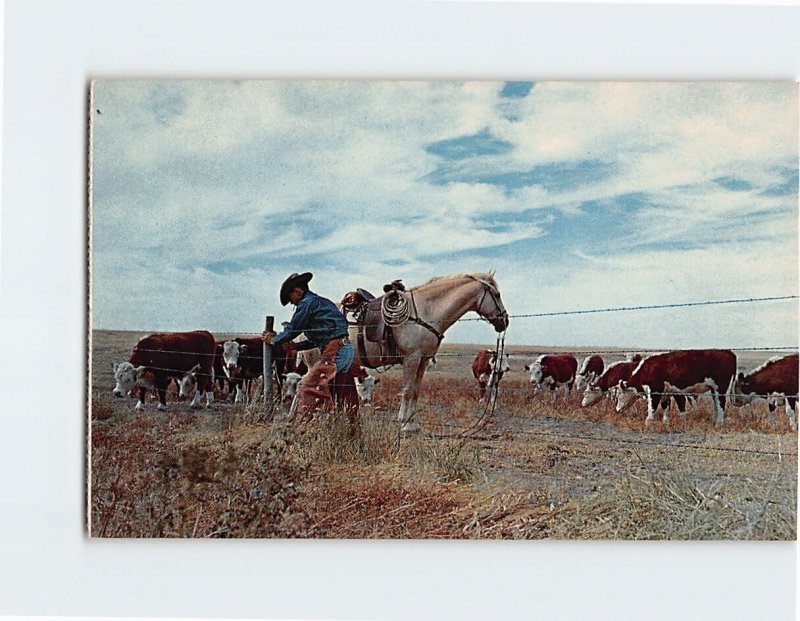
503,365
366,387
290,384
537,372
231,350
625,396
591,394
743,390
187,385
127,377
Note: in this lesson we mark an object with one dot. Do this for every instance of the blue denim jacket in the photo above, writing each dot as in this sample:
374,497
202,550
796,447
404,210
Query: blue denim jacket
318,317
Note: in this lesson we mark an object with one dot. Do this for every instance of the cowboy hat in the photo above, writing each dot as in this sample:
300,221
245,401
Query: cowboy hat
295,280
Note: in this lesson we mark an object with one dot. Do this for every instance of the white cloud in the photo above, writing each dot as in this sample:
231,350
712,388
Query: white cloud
195,173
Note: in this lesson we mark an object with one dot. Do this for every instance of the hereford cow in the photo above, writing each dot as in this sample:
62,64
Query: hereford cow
220,378
677,373
243,362
773,380
157,358
483,368
609,381
591,369
553,371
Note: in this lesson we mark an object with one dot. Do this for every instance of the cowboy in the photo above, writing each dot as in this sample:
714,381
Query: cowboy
326,328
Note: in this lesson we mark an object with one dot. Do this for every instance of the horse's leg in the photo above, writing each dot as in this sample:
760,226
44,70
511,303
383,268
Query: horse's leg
408,401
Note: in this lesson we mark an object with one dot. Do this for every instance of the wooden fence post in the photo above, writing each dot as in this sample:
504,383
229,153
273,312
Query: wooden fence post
268,402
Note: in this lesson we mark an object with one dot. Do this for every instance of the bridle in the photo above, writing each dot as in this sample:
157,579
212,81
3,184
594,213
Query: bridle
494,294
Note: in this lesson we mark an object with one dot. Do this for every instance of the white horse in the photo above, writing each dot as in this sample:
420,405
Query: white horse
434,307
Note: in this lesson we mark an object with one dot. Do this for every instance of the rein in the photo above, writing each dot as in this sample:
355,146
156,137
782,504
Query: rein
491,400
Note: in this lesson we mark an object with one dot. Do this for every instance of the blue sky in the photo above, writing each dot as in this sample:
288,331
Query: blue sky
207,194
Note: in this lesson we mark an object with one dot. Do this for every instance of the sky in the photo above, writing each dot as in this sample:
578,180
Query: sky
206,195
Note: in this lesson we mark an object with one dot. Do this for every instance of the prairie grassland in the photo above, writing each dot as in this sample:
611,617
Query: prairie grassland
536,470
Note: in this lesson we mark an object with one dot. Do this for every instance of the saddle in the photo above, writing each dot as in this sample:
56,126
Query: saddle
373,324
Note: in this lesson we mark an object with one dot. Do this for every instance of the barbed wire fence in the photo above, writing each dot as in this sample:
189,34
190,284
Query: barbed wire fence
451,430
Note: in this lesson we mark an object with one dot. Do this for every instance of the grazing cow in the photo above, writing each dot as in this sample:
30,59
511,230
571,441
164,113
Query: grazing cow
483,369
609,381
553,371
243,362
157,358
774,379
591,368
677,373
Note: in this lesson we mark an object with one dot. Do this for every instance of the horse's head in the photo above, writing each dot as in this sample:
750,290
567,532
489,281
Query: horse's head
489,305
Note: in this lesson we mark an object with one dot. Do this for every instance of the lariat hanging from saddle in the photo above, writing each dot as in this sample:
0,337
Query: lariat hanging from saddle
376,318
395,307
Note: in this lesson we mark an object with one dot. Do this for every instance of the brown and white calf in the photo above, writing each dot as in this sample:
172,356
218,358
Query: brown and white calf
591,368
609,380
775,379
158,358
678,373
483,370
552,372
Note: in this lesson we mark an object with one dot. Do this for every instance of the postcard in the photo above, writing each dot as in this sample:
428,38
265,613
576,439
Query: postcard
443,309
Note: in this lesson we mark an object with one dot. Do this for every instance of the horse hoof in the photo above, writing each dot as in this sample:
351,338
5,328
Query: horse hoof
411,427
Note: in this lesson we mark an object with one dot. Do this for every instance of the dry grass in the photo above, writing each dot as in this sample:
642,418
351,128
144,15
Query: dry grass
539,470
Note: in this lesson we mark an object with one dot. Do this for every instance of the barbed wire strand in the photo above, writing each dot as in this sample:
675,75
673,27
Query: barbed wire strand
613,309
528,351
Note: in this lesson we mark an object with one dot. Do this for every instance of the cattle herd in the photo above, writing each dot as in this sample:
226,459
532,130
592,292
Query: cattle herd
198,362
680,375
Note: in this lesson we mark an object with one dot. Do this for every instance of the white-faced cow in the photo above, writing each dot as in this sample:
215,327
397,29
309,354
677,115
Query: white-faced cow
488,370
552,372
243,362
678,373
157,358
775,379
591,368
608,381
219,376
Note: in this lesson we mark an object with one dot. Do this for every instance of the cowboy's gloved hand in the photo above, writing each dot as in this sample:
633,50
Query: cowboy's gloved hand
267,337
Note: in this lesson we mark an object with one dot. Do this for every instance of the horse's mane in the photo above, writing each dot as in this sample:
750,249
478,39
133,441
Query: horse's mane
487,277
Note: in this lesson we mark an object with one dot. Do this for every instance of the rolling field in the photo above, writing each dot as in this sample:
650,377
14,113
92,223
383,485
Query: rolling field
536,470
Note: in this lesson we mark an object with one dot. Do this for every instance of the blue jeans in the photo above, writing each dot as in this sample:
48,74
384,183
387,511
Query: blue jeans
344,358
